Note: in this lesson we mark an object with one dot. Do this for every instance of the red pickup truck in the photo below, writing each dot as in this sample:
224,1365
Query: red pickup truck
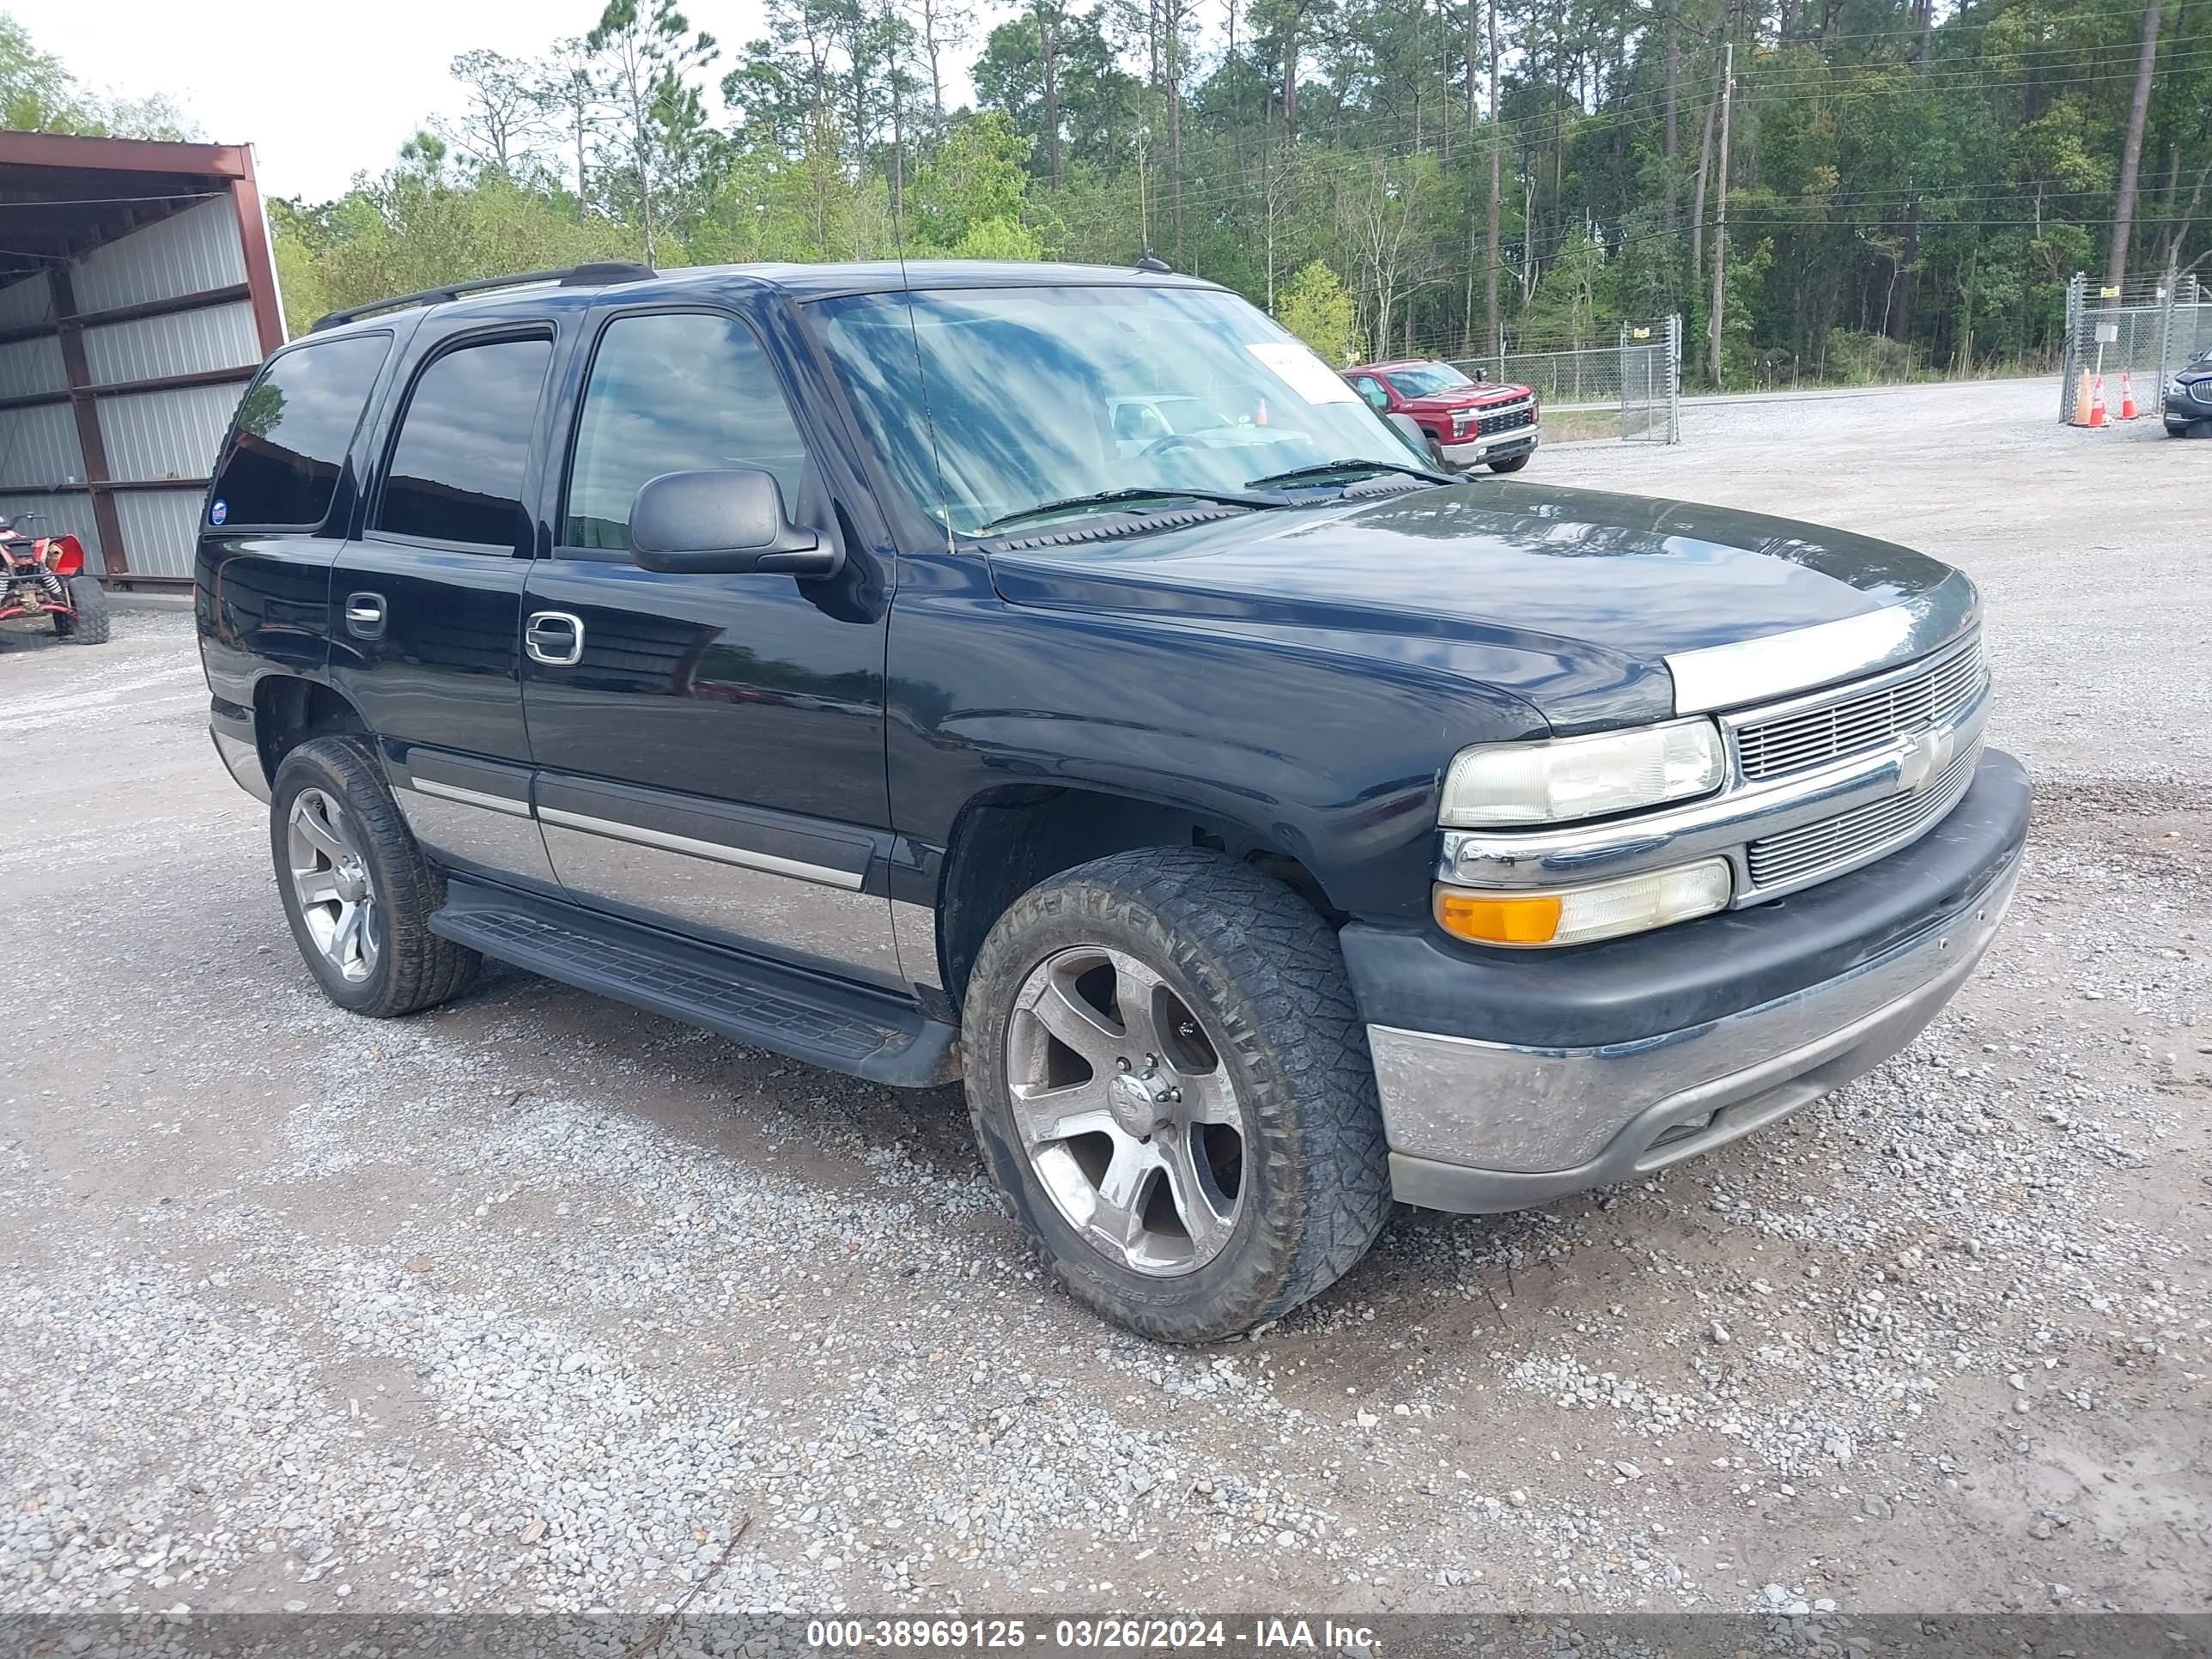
1468,423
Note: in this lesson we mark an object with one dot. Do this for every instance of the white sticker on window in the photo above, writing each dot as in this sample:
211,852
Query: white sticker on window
1303,373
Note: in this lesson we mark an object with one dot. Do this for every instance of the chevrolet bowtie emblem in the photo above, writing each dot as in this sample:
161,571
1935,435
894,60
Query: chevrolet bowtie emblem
1924,758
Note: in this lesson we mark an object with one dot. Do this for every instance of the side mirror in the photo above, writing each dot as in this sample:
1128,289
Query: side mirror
727,522
1410,434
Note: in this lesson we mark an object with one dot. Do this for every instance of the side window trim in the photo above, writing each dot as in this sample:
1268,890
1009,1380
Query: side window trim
601,325
370,400
395,426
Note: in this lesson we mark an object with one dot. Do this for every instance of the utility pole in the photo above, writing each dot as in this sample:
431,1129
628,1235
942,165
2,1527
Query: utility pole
1489,244
2124,213
1713,321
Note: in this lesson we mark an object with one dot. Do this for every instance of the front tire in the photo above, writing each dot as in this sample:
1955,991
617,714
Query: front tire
356,889
88,622
1170,1086
1512,463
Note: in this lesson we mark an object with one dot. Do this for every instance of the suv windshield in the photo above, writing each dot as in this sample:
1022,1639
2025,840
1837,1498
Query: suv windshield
1427,379
1036,395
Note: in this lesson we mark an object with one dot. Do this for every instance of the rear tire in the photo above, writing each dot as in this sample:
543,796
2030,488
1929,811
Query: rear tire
1513,463
1246,1000
356,889
88,624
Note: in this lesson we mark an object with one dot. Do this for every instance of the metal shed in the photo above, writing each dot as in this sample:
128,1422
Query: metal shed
137,295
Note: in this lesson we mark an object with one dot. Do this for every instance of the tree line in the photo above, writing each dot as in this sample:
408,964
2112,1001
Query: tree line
1825,189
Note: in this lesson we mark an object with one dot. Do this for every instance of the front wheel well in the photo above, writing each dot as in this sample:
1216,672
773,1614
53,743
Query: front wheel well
1008,840
288,711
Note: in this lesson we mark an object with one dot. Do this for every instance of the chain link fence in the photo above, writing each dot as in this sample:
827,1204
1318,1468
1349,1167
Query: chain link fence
1632,385
2145,331
1651,382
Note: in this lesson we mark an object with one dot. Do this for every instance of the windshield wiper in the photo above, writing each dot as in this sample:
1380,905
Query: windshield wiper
1119,497
1323,469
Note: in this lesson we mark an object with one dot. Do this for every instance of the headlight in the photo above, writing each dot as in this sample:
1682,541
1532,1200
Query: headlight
1568,778
2175,389
1575,915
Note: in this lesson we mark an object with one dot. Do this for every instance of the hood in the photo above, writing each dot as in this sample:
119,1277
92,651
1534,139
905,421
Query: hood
1481,395
1570,600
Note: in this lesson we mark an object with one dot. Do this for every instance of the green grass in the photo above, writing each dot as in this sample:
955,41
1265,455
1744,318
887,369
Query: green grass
1574,426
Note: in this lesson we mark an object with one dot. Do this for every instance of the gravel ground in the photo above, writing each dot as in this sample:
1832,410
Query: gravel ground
529,1302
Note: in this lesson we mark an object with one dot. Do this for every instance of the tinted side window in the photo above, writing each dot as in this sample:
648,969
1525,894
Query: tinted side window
456,471
673,392
289,437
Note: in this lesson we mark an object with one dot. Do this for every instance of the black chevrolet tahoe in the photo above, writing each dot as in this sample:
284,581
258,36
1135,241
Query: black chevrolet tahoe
1262,827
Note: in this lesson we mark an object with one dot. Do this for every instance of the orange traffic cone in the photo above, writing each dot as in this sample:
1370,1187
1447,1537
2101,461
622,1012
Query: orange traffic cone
2097,402
2127,396
2080,415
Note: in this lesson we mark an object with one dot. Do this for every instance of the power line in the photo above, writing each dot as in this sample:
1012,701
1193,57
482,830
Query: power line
1573,128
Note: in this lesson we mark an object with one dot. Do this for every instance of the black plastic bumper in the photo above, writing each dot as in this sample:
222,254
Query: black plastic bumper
1626,990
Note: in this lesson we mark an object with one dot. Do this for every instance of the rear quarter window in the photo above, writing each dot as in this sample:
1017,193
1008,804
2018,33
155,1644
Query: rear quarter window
288,440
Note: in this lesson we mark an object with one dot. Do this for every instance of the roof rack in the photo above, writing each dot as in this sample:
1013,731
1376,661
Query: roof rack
602,274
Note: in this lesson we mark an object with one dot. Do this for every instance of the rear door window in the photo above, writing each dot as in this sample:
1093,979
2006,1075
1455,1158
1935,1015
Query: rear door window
288,440
458,466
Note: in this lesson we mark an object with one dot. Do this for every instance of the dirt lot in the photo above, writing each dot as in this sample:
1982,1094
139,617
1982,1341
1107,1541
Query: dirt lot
525,1303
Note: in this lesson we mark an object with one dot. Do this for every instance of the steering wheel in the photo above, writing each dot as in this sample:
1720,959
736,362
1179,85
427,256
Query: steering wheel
1173,440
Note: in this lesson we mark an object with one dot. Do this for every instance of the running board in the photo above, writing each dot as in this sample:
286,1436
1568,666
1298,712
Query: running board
828,1023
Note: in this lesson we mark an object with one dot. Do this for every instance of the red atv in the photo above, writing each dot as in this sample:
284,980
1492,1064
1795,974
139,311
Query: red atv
45,576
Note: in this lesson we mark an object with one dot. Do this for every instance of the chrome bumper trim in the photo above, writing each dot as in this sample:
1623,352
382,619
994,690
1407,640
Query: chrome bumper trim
1470,450
243,762
1760,670
1476,1126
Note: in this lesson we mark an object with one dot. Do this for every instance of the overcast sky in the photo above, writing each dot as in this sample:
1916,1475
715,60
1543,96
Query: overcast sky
321,90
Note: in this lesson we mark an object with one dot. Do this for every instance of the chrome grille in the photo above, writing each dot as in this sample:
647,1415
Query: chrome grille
1815,851
1855,723
1512,420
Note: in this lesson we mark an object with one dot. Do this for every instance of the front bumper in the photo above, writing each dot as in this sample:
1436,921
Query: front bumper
1592,1066
1480,452
2187,411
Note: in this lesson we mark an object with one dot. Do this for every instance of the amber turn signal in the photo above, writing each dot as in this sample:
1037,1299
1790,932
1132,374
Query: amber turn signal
1574,915
1497,918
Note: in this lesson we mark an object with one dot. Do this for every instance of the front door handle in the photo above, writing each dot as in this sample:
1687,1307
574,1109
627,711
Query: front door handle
364,616
555,638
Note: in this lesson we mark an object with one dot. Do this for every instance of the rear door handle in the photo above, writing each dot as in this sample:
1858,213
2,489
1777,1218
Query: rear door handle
364,616
555,638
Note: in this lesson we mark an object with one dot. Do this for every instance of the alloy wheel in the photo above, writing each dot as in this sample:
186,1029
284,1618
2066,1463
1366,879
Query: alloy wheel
1126,1111
331,881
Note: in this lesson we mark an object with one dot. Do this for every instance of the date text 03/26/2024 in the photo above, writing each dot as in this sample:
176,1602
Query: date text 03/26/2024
1085,1635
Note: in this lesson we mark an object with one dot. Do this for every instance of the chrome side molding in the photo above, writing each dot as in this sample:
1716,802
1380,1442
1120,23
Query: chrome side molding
719,852
507,804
